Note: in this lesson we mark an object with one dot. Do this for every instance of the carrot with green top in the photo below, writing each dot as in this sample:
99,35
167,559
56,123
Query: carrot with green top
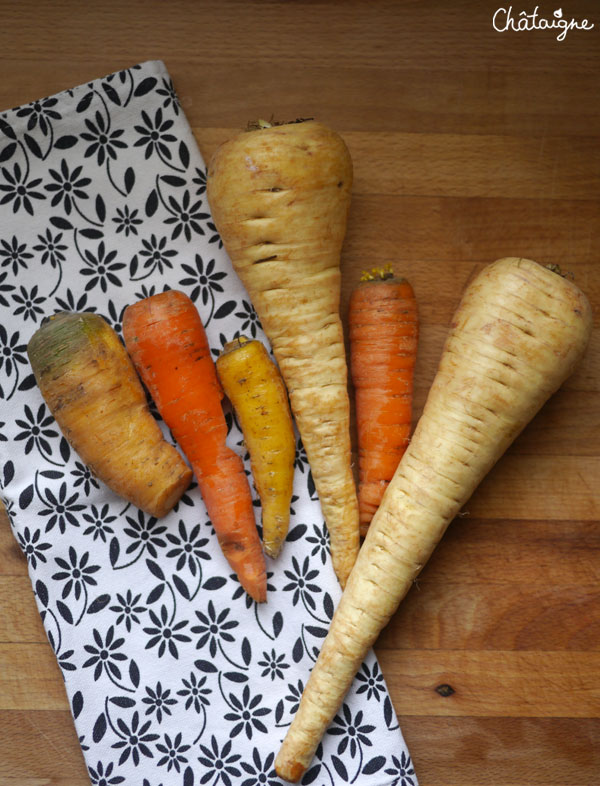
91,388
383,326
253,384
167,342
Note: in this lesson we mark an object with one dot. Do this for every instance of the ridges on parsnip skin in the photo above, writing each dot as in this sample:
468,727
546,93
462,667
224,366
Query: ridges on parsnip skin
92,390
279,197
253,384
517,335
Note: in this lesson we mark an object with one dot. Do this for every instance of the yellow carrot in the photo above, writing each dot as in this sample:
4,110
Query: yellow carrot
91,387
517,335
254,386
279,197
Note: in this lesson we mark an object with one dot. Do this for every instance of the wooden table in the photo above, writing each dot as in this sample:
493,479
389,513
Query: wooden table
469,145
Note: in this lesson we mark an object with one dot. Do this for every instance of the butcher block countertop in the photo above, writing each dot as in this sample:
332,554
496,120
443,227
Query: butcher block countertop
468,145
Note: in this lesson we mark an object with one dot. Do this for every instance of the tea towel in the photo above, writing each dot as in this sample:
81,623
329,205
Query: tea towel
174,676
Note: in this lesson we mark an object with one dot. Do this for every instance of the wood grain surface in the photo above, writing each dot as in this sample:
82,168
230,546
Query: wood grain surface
468,145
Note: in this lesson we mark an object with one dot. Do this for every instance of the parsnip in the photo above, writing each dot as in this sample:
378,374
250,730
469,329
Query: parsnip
279,197
517,335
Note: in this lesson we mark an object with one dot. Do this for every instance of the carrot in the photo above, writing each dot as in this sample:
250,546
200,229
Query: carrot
516,336
279,197
93,392
383,347
254,386
166,340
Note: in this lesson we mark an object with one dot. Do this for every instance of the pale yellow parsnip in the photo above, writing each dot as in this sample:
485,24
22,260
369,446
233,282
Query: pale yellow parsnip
279,197
516,336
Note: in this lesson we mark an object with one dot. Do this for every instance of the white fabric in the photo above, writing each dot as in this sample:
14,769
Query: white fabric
173,675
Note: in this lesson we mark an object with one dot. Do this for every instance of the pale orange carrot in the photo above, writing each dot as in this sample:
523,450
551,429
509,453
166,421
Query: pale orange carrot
89,384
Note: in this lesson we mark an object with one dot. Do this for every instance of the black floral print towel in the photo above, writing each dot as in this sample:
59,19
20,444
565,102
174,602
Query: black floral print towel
174,676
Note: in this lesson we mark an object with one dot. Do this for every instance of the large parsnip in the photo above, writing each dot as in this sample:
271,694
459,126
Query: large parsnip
279,197
516,336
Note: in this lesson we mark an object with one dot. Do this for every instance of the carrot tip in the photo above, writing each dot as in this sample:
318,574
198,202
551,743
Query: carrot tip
290,771
234,344
377,273
260,595
272,548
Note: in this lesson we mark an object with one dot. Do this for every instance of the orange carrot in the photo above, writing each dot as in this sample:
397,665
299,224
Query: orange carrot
166,340
383,346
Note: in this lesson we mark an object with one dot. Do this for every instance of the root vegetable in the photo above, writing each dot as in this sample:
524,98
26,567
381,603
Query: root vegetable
383,348
166,340
279,196
254,386
91,388
517,335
